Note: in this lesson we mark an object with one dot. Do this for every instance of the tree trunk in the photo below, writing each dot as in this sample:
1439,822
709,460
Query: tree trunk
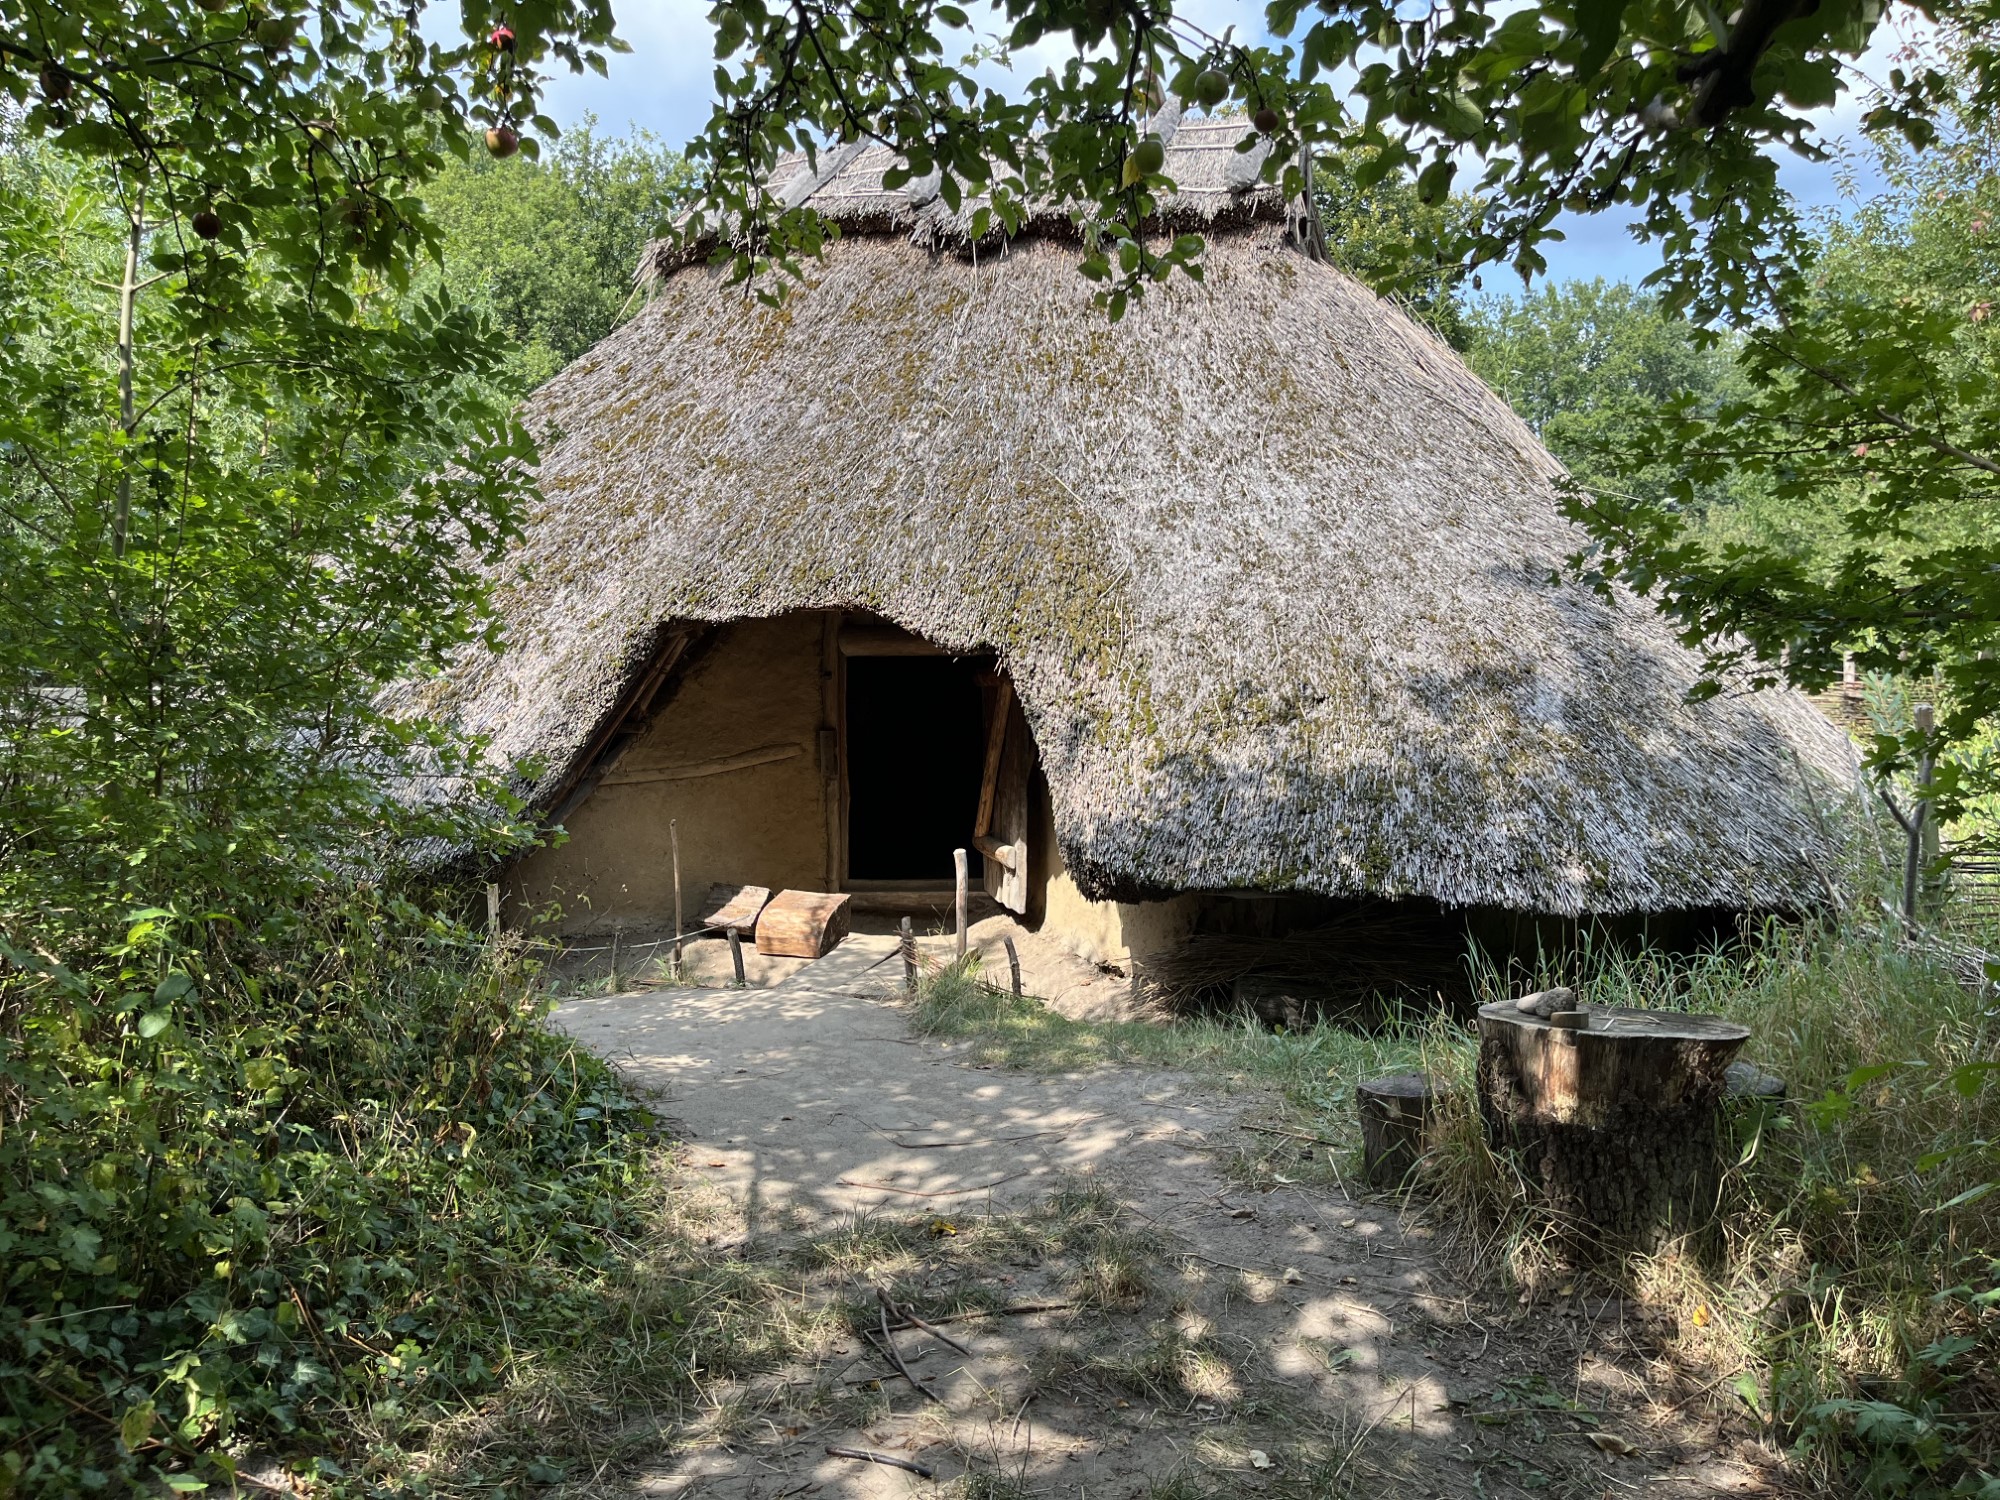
1395,1114
128,302
1612,1117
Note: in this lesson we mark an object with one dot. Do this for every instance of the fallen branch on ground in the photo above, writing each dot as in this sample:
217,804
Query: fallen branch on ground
1005,1312
907,1319
889,1349
922,1471
1318,1140
884,1187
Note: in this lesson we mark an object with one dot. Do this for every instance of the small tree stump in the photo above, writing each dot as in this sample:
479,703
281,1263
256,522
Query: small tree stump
1614,1121
1395,1116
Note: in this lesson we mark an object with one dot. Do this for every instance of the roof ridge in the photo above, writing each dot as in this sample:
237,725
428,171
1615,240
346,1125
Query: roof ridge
1218,184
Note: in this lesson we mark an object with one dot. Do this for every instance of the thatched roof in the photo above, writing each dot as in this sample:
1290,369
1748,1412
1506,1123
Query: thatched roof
1271,571
1216,167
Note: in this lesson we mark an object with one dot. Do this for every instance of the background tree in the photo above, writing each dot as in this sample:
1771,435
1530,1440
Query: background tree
1861,434
1385,234
549,247
254,462
1577,359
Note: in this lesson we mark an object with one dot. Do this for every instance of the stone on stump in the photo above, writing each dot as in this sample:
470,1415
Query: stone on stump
1395,1115
1611,1113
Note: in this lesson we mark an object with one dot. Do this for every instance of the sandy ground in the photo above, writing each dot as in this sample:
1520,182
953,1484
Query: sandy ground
1312,1319
1073,986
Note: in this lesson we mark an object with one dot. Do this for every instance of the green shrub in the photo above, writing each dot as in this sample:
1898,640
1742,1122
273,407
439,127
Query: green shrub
280,1196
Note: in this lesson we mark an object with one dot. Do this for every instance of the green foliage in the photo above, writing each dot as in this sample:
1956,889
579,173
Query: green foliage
291,1190
207,598
549,247
278,1151
1576,360
1662,107
1386,235
303,127
1861,436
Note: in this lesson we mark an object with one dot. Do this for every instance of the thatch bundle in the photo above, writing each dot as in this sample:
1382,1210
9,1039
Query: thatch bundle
1275,577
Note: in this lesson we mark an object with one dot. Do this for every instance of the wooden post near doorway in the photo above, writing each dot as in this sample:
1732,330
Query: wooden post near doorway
674,837
958,861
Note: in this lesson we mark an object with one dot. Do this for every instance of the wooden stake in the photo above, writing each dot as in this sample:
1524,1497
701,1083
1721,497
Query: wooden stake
492,911
909,957
128,302
1013,962
736,955
958,860
1922,833
674,836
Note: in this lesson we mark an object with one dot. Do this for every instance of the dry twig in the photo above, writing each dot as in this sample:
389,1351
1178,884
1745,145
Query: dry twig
922,1471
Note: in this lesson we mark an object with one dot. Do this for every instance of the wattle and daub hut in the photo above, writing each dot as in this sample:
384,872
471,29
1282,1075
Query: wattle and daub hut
1256,592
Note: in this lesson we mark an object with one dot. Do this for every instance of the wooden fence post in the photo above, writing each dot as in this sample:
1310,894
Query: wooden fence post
909,946
1013,962
958,860
736,955
492,912
674,835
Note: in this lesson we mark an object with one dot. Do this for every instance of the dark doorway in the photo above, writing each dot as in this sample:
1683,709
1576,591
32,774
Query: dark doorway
915,748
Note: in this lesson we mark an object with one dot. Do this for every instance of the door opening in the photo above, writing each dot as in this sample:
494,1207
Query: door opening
915,745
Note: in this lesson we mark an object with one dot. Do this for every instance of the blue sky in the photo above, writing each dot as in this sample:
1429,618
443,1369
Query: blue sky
664,86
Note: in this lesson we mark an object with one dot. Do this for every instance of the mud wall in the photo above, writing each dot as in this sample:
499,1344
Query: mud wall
733,758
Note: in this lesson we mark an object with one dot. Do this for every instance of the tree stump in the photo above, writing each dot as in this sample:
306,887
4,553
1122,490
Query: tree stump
1612,1114
1395,1115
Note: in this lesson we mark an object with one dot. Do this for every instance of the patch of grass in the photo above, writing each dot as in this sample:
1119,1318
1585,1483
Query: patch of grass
695,1339
1311,1071
1854,1304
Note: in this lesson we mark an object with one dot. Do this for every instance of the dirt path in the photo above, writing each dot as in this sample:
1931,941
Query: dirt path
1278,1339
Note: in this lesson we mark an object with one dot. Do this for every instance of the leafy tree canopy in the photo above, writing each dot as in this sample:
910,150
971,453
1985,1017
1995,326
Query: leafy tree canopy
1858,431
1577,359
549,247
1664,108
